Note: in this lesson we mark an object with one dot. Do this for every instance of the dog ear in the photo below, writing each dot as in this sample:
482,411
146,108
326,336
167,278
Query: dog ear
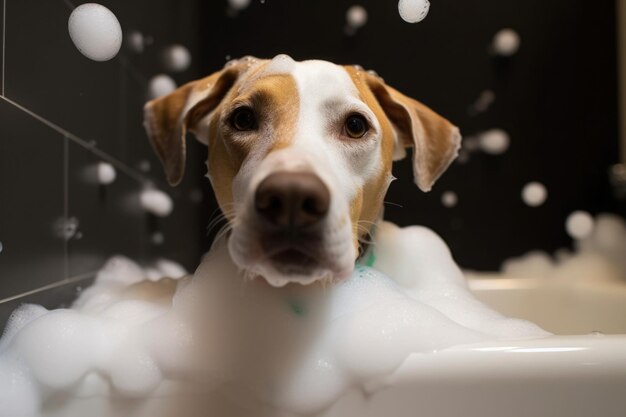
167,119
435,140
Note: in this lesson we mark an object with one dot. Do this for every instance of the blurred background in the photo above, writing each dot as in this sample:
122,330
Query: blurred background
533,85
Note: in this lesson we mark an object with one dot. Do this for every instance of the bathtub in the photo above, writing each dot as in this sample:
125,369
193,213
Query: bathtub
581,371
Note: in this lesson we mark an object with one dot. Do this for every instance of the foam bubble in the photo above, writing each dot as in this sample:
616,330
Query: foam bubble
106,173
413,11
494,141
135,41
579,224
483,102
506,42
156,202
161,85
356,16
241,344
534,194
449,199
238,5
157,238
95,31
176,58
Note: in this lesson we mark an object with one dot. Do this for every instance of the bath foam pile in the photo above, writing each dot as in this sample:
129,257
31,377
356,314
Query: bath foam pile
598,255
214,344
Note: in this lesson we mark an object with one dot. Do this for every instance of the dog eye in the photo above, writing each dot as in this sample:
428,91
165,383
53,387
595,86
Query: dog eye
356,126
243,119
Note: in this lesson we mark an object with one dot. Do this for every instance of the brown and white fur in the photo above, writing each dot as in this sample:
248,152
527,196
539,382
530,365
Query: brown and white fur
300,111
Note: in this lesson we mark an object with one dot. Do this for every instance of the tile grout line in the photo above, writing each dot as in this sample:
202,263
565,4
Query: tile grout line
81,142
66,208
4,35
54,285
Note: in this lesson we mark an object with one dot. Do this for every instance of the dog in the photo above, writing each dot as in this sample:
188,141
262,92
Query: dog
299,157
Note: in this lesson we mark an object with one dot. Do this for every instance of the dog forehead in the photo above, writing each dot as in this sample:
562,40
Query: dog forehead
323,81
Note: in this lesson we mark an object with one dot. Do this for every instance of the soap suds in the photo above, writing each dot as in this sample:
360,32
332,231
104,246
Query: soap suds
506,42
95,31
598,255
176,58
413,11
161,85
216,343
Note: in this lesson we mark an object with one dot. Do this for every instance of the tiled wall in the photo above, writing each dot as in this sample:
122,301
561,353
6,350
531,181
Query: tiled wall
60,114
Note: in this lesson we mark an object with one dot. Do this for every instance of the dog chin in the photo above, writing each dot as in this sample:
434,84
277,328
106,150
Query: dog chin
291,265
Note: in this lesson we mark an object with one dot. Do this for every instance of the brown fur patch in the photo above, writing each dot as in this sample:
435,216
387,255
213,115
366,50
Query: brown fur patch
367,205
275,101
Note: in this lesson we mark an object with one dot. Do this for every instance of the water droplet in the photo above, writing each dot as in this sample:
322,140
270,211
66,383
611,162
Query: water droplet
1,247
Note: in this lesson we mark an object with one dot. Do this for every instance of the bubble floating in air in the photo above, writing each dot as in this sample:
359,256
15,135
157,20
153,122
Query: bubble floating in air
494,141
506,42
161,85
579,224
157,238
534,194
106,173
483,102
449,199
66,228
135,41
95,31
176,58
144,165
356,18
413,11
156,202
235,6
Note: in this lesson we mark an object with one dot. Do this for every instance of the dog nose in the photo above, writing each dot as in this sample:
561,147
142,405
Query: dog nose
292,199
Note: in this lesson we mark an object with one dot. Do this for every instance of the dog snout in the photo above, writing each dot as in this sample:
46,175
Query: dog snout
293,200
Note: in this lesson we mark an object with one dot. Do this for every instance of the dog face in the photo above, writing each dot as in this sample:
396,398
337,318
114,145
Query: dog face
299,157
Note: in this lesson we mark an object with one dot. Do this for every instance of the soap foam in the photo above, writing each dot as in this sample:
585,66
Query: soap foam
95,31
217,343
598,255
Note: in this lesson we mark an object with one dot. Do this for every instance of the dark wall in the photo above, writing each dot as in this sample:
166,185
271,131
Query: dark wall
60,114
556,98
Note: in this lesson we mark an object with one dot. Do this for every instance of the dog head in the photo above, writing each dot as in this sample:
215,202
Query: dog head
299,157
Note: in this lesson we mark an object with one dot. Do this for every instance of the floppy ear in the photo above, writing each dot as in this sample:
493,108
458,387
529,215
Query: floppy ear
167,119
435,140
